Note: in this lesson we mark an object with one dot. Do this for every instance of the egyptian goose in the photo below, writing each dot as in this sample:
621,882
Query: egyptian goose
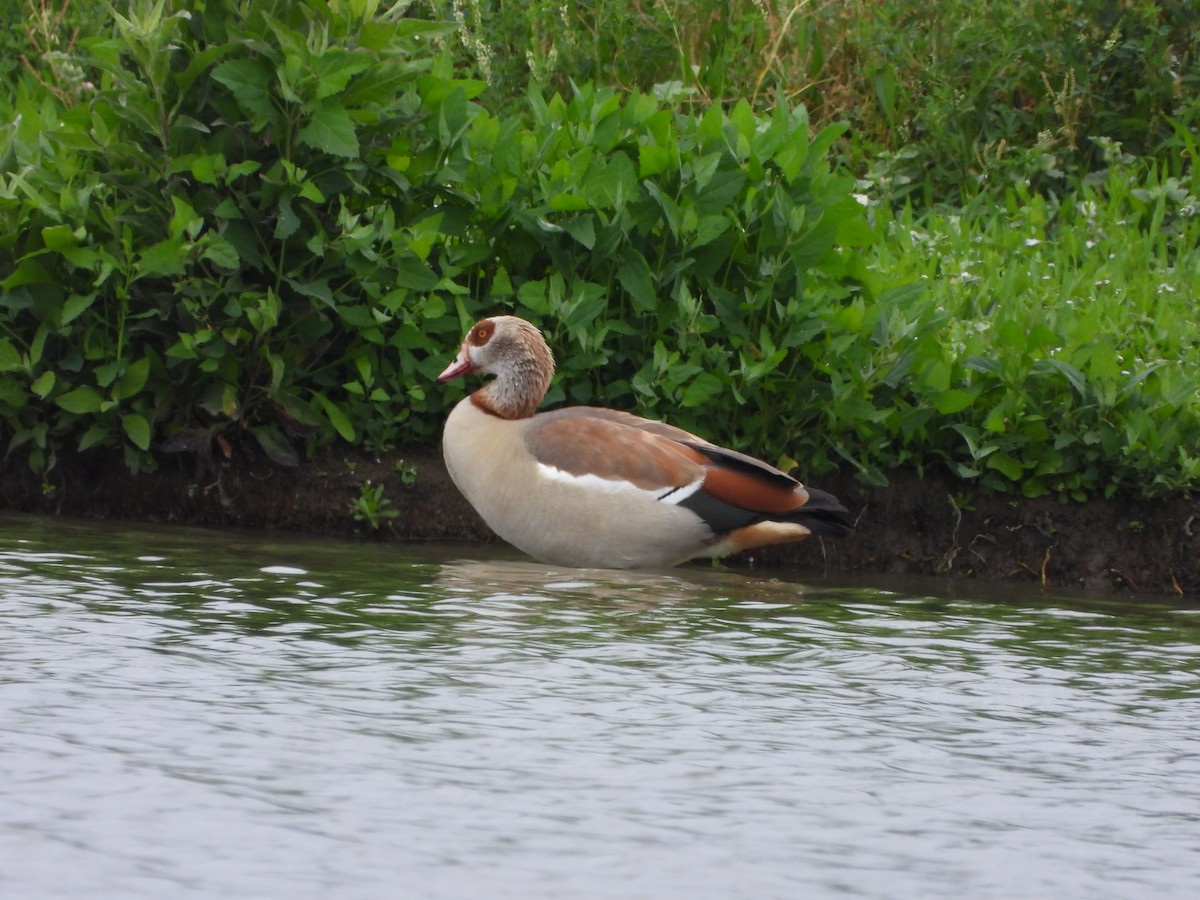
584,486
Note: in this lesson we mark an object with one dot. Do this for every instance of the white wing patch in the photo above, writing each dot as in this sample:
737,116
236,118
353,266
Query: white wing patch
679,494
591,482
673,495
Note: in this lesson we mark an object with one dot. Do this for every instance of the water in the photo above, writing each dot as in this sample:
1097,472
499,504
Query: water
188,713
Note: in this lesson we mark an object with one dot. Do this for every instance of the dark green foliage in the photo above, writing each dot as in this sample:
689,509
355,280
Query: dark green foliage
274,221
217,233
278,218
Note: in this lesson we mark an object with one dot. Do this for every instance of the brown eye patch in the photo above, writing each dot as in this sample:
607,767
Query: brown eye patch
482,333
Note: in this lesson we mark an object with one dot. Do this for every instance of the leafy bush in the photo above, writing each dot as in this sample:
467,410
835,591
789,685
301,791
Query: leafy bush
277,218
214,235
679,258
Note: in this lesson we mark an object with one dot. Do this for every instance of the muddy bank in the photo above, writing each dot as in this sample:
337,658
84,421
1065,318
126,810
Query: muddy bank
926,526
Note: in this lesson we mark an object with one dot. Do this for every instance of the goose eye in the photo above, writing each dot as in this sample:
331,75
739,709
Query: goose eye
482,333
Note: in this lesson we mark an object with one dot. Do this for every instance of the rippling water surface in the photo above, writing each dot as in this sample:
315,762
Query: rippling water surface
195,713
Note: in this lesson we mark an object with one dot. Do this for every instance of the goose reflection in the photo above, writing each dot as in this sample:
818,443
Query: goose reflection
644,588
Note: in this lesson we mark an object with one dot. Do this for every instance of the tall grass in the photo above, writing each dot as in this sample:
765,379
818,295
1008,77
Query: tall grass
965,97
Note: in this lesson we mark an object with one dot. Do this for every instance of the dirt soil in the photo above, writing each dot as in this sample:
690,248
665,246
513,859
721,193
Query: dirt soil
927,526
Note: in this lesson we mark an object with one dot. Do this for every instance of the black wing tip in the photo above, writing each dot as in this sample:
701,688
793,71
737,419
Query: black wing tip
824,514
824,522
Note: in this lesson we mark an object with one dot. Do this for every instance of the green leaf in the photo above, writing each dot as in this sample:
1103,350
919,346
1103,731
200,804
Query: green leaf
1034,488
995,420
10,357
720,192
133,380
669,207
310,191
982,364
13,393
589,302
27,272
952,401
184,220
221,252
1076,378
937,375
653,160
275,445
81,400
58,237
38,345
535,296
961,470
107,373
1002,462
792,154
335,68
331,130
245,167
95,435
44,384
702,388
199,62
318,290
229,402
704,167
611,182
164,258
337,418
247,80
415,275
825,139
287,221
358,316
227,209
137,429
568,202
204,168
583,229
744,119
76,305
634,275
709,229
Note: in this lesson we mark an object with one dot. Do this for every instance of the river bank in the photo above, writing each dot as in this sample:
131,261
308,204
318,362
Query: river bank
931,525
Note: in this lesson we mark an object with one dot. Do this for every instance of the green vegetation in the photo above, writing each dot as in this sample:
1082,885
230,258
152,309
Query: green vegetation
952,98
1064,352
371,507
274,221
